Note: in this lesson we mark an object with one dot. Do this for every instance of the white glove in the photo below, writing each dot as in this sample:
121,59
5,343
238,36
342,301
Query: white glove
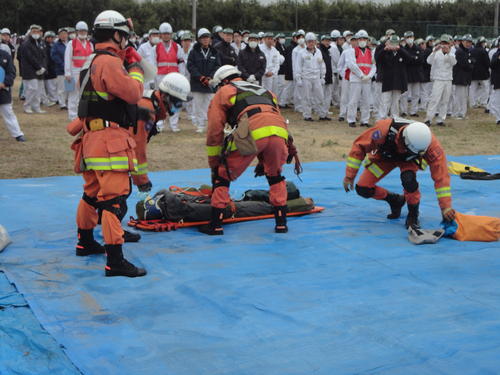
40,71
251,78
322,80
365,78
298,82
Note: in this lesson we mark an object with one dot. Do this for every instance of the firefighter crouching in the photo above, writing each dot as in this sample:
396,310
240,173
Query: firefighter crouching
409,146
257,129
112,85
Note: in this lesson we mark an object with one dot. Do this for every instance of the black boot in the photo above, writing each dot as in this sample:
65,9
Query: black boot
412,218
130,236
214,228
280,217
87,245
117,265
396,202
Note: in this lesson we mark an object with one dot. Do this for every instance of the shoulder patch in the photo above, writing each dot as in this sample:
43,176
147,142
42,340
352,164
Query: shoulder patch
377,134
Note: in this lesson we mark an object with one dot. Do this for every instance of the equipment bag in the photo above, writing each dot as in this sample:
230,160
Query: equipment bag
473,228
242,138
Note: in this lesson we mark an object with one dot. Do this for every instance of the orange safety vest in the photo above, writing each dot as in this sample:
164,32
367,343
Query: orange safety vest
363,60
80,52
167,61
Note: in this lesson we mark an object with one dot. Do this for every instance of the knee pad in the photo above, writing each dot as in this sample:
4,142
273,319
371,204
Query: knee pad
409,181
109,205
365,192
91,201
273,180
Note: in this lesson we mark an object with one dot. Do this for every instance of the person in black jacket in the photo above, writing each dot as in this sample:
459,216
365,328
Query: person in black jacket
479,88
393,60
495,82
8,115
252,61
50,78
286,97
203,61
377,85
57,56
33,66
226,52
426,86
414,70
462,76
324,47
5,39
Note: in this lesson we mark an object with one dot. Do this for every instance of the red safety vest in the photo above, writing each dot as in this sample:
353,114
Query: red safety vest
363,60
80,53
167,61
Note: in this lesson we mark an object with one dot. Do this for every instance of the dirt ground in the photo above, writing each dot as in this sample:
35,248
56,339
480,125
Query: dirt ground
47,152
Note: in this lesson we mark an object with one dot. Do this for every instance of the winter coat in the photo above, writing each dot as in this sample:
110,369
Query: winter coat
51,65
288,64
462,71
426,67
414,67
377,52
57,56
394,74
226,53
198,65
481,69
32,57
327,58
10,74
252,62
495,70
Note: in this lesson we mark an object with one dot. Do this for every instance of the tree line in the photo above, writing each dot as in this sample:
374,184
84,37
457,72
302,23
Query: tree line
313,15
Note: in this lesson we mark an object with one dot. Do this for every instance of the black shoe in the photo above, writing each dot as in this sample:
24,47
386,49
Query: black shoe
131,237
366,125
63,108
280,218
284,106
308,119
428,123
498,122
396,202
87,245
414,115
341,119
117,265
325,119
441,123
412,218
21,138
214,228
448,114
352,124
404,114
486,110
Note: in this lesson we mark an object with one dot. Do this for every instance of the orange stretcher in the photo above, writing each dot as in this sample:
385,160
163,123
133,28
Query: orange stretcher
166,226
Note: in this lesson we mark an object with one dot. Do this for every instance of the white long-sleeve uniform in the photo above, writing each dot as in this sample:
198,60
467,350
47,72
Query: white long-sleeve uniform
272,66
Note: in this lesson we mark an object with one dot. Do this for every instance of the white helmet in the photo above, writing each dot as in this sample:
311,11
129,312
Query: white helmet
346,33
362,34
335,34
310,36
203,31
81,26
5,31
224,72
165,28
417,137
261,34
112,20
176,85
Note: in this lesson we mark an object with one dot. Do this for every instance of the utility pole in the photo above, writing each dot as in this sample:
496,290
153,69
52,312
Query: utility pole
193,20
495,26
297,14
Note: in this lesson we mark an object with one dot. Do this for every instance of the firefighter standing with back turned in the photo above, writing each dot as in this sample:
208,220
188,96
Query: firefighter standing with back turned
248,106
409,146
112,85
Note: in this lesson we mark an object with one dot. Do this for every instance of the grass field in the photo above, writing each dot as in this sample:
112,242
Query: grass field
47,152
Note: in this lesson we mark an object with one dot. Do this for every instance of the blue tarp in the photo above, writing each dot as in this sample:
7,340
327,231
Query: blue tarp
344,292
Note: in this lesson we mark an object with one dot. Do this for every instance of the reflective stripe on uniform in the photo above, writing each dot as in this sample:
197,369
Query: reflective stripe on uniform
363,64
141,169
138,76
353,162
374,169
443,192
214,150
79,57
167,64
107,164
232,99
268,131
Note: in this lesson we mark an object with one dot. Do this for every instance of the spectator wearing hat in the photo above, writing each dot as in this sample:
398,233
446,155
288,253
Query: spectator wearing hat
148,51
238,43
442,60
462,76
50,78
8,115
5,39
297,91
479,88
324,47
426,86
495,82
414,69
244,36
279,44
273,62
286,97
217,34
57,57
33,66
226,52
335,52
252,61
344,74
186,47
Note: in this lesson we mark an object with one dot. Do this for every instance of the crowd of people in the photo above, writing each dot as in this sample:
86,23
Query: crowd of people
365,78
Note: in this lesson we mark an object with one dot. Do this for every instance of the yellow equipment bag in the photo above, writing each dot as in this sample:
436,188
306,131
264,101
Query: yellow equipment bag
457,168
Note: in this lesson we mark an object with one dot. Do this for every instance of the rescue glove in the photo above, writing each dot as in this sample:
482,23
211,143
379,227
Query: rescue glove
144,188
348,184
293,155
448,214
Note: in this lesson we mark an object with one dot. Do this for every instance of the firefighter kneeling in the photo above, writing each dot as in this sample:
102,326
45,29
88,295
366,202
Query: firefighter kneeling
257,130
411,146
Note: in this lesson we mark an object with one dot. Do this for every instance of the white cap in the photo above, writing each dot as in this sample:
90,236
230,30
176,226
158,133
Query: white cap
310,36
203,31
417,137
165,28
223,72
362,34
176,85
81,26
335,34
5,31
347,33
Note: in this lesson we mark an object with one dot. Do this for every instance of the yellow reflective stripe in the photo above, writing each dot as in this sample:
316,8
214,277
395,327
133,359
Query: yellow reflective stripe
106,164
141,169
375,169
443,192
232,146
232,99
214,150
353,162
102,94
352,165
268,131
137,76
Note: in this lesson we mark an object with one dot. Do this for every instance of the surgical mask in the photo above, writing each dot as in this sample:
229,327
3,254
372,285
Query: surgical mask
82,37
132,40
410,41
252,44
282,40
72,36
362,44
155,40
245,39
348,39
301,41
36,36
431,44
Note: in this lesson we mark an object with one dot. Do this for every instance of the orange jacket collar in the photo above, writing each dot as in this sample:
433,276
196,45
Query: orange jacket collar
111,47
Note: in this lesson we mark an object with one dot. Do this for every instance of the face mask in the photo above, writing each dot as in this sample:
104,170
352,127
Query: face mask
72,36
245,39
252,44
132,40
35,36
431,44
282,40
155,40
410,41
301,41
82,37
348,39
362,44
